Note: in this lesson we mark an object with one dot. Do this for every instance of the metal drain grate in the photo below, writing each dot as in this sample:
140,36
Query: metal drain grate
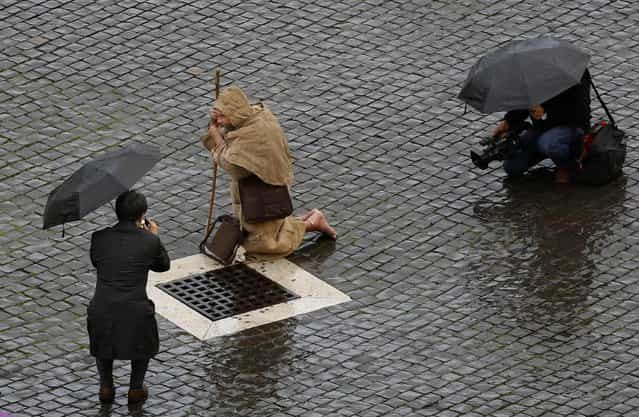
227,291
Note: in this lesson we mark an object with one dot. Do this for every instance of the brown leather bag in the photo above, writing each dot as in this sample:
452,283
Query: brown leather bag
262,202
224,244
229,236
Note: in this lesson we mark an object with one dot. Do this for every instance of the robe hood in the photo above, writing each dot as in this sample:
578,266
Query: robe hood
233,104
256,142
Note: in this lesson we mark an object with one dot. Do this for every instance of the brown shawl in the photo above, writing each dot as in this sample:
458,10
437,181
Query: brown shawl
256,142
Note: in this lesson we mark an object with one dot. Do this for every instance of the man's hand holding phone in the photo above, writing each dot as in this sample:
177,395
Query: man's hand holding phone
150,225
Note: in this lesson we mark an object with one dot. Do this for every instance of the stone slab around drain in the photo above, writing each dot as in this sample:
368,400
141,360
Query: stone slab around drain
311,292
226,292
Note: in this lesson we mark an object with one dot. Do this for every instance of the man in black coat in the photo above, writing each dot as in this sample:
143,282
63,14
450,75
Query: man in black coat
121,318
556,130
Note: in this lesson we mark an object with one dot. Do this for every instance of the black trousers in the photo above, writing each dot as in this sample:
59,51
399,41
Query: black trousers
138,369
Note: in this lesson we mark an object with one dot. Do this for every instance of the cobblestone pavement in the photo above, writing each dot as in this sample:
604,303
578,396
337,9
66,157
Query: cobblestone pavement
472,296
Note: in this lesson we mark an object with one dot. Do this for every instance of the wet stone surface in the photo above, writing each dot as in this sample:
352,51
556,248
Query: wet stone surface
472,295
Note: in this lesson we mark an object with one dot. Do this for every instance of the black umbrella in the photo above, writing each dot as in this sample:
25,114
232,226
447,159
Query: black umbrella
522,74
99,181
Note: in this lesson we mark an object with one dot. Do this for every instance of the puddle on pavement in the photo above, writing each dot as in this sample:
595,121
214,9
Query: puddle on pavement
539,244
246,370
313,254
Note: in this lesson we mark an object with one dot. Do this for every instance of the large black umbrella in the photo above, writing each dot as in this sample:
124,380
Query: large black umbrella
98,181
522,74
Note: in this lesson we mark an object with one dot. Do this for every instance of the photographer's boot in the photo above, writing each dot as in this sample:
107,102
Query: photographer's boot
562,176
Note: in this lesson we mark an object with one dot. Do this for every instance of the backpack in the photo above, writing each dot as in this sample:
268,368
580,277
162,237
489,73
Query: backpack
603,155
604,149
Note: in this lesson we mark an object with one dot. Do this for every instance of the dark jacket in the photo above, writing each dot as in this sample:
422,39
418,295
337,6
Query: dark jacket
570,108
121,318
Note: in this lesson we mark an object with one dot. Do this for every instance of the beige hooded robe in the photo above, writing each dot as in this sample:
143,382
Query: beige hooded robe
256,145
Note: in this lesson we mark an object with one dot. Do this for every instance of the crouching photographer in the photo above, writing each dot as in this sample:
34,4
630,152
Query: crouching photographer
555,131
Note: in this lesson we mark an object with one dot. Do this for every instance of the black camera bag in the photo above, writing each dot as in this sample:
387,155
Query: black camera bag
603,158
603,151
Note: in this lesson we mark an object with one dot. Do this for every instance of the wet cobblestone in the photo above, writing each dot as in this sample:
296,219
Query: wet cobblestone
472,295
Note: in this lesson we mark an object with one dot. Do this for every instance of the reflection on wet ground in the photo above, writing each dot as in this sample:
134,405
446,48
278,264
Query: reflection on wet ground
134,410
470,296
254,369
247,371
313,254
538,258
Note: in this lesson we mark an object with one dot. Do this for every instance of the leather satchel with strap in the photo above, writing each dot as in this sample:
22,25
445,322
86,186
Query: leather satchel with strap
224,244
229,236
262,202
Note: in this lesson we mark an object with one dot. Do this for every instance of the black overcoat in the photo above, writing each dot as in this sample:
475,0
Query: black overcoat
120,317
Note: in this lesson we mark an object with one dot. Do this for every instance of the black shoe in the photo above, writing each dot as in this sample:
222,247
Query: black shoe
138,395
107,394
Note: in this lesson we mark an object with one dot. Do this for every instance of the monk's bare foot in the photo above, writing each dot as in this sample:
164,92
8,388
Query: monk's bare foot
317,223
308,214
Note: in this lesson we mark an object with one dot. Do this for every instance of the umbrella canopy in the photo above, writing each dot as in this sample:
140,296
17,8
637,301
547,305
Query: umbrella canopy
522,74
99,181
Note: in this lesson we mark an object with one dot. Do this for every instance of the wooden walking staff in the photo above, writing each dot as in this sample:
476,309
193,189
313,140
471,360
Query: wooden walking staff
214,177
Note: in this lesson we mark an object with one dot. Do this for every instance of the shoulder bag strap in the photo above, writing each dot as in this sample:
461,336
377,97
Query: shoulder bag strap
612,120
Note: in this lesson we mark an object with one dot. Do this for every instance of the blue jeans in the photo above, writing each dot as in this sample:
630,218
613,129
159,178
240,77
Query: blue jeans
559,144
